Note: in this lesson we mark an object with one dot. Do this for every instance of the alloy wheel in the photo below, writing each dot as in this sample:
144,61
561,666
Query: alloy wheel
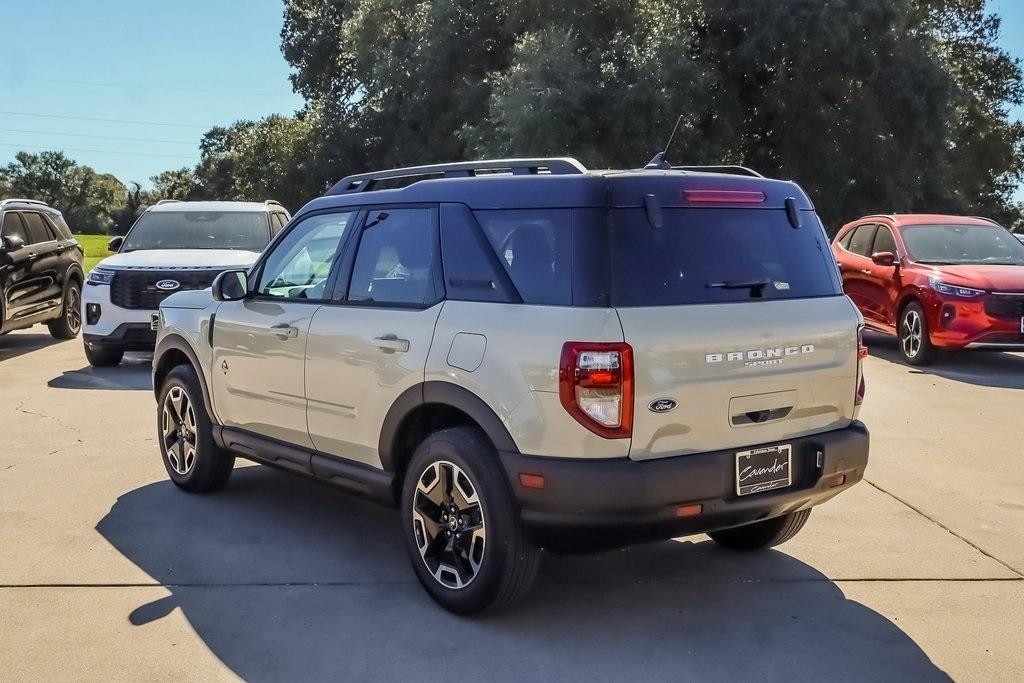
448,524
73,310
178,428
911,333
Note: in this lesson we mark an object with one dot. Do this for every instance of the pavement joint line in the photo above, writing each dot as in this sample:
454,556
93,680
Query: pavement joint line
950,531
341,584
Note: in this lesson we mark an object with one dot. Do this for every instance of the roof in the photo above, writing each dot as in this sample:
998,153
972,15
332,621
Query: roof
899,219
178,207
29,203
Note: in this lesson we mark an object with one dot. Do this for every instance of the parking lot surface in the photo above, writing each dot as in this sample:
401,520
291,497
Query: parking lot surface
109,572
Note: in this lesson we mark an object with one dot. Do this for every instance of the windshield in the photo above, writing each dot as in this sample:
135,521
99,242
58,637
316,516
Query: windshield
962,244
718,256
248,230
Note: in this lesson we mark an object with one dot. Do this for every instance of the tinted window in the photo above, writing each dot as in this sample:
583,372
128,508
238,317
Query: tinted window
884,241
12,226
718,256
534,247
846,238
37,230
300,264
960,244
395,261
862,239
246,230
471,269
58,226
277,221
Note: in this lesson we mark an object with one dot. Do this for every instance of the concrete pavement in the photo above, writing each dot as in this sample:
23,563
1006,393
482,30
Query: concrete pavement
108,572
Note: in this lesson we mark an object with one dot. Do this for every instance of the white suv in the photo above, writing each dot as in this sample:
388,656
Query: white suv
524,354
173,246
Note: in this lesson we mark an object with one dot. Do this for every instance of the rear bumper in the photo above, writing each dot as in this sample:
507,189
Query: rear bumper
588,503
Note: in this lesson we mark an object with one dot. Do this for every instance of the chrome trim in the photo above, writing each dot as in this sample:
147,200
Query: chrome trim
994,346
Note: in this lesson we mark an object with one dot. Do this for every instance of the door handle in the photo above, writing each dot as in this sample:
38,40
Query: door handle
284,330
866,271
390,342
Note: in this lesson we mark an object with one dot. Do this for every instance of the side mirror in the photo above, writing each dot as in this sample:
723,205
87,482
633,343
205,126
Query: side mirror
115,243
231,285
884,258
12,243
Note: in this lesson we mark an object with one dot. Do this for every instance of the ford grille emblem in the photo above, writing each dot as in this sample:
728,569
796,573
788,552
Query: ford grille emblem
168,285
661,405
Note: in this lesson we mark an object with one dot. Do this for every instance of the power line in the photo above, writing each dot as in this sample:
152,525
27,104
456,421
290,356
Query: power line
99,137
97,151
142,86
89,118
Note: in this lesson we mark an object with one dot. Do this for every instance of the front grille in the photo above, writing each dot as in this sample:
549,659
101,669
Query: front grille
1005,306
137,288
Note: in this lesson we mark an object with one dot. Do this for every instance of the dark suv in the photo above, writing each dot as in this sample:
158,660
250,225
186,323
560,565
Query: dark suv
40,269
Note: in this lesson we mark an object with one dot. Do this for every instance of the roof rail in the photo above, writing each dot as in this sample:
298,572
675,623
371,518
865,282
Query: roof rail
550,166
734,170
987,220
16,200
168,201
273,202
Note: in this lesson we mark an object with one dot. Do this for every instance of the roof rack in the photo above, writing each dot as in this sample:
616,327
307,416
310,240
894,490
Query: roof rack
168,201
15,200
273,202
463,169
734,170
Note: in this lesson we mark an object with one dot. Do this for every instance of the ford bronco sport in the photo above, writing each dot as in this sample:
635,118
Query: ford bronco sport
524,354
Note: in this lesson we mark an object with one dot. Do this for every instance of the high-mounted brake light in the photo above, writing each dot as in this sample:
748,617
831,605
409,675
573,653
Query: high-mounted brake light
724,196
595,385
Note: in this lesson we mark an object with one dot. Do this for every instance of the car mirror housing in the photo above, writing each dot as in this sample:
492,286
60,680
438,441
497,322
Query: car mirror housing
12,243
884,258
115,243
231,285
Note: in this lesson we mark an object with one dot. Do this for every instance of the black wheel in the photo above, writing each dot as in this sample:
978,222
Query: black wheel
760,535
915,344
191,457
69,324
462,527
100,357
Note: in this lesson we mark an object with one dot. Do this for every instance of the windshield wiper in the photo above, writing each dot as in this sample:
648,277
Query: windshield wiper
756,287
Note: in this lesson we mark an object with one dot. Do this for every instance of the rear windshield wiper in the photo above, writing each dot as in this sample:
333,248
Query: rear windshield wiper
755,286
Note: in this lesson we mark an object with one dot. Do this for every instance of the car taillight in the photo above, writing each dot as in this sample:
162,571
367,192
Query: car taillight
862,353
595,385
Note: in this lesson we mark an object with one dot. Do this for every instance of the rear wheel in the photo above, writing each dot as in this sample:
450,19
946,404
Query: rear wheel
915,343
100,357
69,324
191,457
462,528
760,535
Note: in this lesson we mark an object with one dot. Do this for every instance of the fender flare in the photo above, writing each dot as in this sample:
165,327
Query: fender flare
441,393
175,342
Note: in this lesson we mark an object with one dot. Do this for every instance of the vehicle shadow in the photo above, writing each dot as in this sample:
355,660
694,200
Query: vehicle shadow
283,578
16,344
984,368
133,374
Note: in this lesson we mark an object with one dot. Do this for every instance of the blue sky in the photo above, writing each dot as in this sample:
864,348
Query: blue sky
161,73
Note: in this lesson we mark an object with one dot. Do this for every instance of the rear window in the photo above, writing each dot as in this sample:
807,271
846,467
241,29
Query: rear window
708,256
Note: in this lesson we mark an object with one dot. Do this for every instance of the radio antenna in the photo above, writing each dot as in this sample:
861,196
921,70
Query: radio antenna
659,162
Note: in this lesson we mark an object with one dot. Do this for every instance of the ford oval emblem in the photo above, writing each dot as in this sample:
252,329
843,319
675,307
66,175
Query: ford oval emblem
661,405
168,285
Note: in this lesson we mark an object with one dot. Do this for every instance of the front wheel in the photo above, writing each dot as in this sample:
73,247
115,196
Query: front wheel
192,459
760,535
915,342
69,324
462,527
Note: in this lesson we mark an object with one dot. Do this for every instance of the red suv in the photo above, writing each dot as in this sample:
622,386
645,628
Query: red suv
954,282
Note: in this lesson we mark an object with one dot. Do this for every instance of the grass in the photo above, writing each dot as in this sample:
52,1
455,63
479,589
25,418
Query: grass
95,249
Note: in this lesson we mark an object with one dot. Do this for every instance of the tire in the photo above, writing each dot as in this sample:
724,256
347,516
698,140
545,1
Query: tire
69,324
915,344
100,357
761,535
490,563
192,459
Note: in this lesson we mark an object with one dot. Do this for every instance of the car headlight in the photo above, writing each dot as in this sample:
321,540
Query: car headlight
100,276
954,290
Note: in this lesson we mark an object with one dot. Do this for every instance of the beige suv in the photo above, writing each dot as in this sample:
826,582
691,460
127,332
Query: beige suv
523,354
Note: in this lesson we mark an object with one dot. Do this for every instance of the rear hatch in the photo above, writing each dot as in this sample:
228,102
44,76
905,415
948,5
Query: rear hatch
734,310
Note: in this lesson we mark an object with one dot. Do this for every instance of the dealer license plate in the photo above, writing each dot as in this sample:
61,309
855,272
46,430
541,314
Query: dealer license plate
764,469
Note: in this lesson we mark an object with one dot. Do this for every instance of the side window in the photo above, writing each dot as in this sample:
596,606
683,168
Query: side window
845,242
58,226
862,239
395,261
535,248
277,221
37,230
300,264
12,226
471,269
884,241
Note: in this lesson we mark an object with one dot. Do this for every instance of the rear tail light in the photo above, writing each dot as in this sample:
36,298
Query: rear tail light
862,349
862,353
595,385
